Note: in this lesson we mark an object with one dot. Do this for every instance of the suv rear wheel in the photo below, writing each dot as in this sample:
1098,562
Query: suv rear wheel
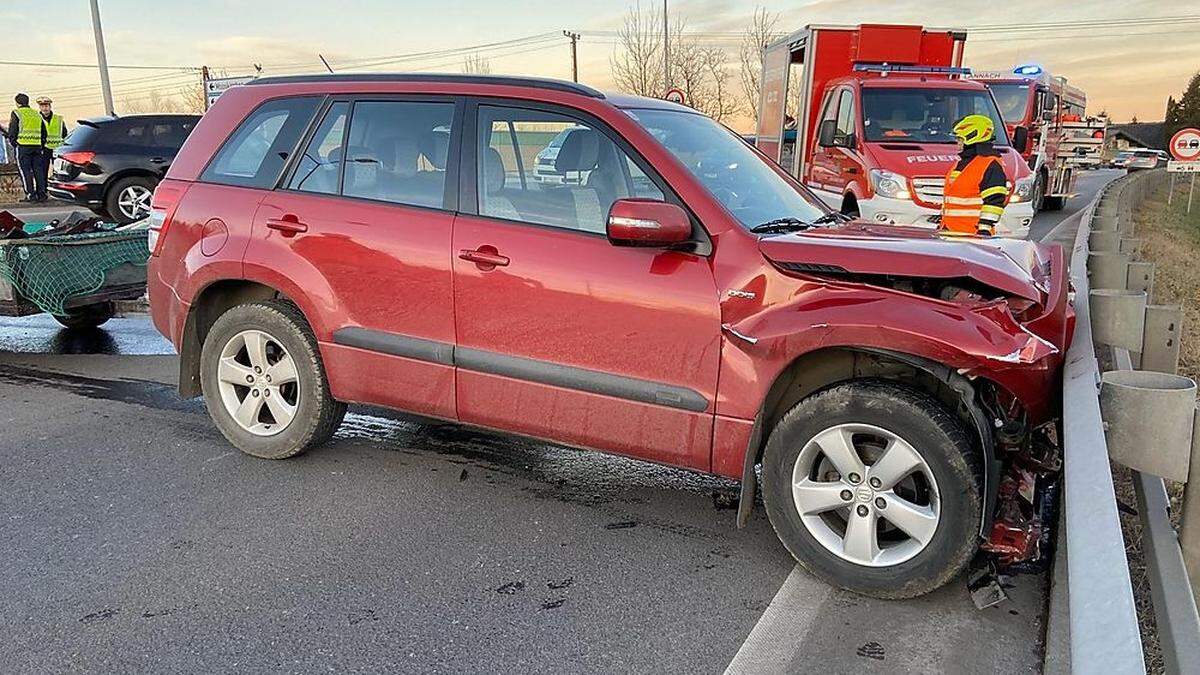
875,488
264,383
128,199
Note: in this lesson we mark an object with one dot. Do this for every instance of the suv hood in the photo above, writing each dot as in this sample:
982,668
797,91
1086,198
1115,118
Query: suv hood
1013,266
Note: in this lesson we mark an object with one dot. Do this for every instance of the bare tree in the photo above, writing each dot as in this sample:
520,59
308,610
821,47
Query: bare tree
760,33
154,101
697,69
637,62
475,64
192,98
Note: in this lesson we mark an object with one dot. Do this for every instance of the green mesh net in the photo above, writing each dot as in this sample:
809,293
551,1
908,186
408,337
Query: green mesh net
49,271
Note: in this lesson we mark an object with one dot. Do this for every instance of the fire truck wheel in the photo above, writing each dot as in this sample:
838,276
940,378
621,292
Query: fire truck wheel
1039,193
875,488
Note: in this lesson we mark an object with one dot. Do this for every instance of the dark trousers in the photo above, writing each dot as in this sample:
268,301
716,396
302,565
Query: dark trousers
34,165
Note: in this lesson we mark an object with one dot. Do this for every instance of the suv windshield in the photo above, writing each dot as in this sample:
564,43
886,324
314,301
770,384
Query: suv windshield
1013,101
729,168
924,115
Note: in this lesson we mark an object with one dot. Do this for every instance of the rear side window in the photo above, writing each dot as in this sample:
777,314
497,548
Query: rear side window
257,151
82,136
397,152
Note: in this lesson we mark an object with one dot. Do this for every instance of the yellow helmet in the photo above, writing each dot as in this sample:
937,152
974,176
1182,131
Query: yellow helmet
974,129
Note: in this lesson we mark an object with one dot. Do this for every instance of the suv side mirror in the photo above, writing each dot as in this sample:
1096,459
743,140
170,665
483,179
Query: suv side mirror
1020,138
647,223
826,132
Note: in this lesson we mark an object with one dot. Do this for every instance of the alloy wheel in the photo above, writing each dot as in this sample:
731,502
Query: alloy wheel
258,384
134,202
866,495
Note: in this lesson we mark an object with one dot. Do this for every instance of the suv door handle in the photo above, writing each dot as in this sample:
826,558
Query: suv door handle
289,225
486,257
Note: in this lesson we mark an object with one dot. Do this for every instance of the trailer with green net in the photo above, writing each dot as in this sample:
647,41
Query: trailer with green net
77,278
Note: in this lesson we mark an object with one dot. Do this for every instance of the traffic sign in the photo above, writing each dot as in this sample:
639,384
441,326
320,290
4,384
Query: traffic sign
1185,145
1183,167
215,87
674,95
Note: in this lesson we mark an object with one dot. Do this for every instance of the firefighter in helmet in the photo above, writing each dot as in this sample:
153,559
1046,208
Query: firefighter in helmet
976,188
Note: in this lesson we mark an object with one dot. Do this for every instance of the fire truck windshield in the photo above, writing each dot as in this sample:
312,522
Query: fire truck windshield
923,115
1013,101
729,169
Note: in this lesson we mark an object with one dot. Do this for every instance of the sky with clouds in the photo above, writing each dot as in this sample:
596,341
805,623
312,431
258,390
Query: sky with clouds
1127,71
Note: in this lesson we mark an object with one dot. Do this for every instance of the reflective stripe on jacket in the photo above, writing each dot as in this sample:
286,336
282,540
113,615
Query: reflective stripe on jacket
30,130
54,131
963,207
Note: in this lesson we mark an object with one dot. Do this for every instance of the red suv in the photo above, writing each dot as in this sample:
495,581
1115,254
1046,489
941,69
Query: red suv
384,239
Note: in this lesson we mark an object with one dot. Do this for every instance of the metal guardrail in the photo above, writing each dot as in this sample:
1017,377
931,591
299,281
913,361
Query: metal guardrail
1104,635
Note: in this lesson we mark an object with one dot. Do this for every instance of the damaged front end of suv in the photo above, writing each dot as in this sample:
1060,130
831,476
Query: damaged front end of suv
983,324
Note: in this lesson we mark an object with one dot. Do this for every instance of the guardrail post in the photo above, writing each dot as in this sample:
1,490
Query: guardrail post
1160,340
1140,277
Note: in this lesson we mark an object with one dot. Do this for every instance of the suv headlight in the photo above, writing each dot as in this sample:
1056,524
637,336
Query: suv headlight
889,184
1023,191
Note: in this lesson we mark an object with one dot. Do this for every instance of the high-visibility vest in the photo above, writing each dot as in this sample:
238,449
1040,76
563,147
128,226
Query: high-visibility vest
30,131
54,131
962,203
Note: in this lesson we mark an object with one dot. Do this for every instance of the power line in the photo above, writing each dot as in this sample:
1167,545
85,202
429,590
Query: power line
47,64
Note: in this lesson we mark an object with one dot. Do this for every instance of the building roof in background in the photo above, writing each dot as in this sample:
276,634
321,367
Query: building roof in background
1146,134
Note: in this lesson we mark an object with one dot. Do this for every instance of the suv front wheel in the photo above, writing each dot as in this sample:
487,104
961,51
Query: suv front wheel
264,383
875,488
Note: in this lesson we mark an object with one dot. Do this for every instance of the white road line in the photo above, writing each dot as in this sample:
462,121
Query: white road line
773,643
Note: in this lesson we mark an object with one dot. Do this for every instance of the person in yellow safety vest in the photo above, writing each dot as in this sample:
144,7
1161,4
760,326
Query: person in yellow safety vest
36,133
976,189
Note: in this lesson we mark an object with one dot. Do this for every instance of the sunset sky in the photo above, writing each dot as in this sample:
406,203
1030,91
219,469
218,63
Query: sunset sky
1129,69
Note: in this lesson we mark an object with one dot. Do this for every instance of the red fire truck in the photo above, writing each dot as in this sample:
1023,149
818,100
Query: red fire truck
873,107
1061,139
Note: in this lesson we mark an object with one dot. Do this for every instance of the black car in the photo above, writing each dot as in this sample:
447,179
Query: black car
111,164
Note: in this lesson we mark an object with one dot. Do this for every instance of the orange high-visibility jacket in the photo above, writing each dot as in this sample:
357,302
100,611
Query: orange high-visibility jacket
964,209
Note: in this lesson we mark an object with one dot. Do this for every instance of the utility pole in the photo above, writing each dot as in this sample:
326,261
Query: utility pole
666,53
102,59
574,38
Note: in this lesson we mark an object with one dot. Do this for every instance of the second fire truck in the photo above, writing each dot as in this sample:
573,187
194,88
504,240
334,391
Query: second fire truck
1061,139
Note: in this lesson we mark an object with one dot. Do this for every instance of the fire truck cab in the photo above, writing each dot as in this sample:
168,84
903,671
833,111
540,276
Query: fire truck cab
1060,138
873,107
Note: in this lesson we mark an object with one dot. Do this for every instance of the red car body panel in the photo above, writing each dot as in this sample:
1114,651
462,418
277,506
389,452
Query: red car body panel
568,300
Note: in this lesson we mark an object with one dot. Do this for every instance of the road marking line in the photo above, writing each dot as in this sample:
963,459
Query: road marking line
772,644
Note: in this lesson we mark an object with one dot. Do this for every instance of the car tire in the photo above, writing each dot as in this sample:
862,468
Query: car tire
948,480
118,194
303,414
1039,194
88,316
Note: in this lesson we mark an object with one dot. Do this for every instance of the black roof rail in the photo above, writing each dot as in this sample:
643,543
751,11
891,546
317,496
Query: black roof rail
511,80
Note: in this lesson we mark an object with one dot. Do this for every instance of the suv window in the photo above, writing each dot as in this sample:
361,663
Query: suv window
550,169
257,151
319,168
397,151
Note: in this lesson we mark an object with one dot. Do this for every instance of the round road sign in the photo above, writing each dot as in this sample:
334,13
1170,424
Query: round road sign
674,95
1185,145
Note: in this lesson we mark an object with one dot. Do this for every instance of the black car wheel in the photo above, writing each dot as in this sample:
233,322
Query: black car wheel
128,199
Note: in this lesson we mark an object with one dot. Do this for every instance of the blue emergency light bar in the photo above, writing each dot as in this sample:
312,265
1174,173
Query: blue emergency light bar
895,68
1029,69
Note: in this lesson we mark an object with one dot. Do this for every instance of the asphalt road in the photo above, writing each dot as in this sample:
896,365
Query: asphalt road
135,539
